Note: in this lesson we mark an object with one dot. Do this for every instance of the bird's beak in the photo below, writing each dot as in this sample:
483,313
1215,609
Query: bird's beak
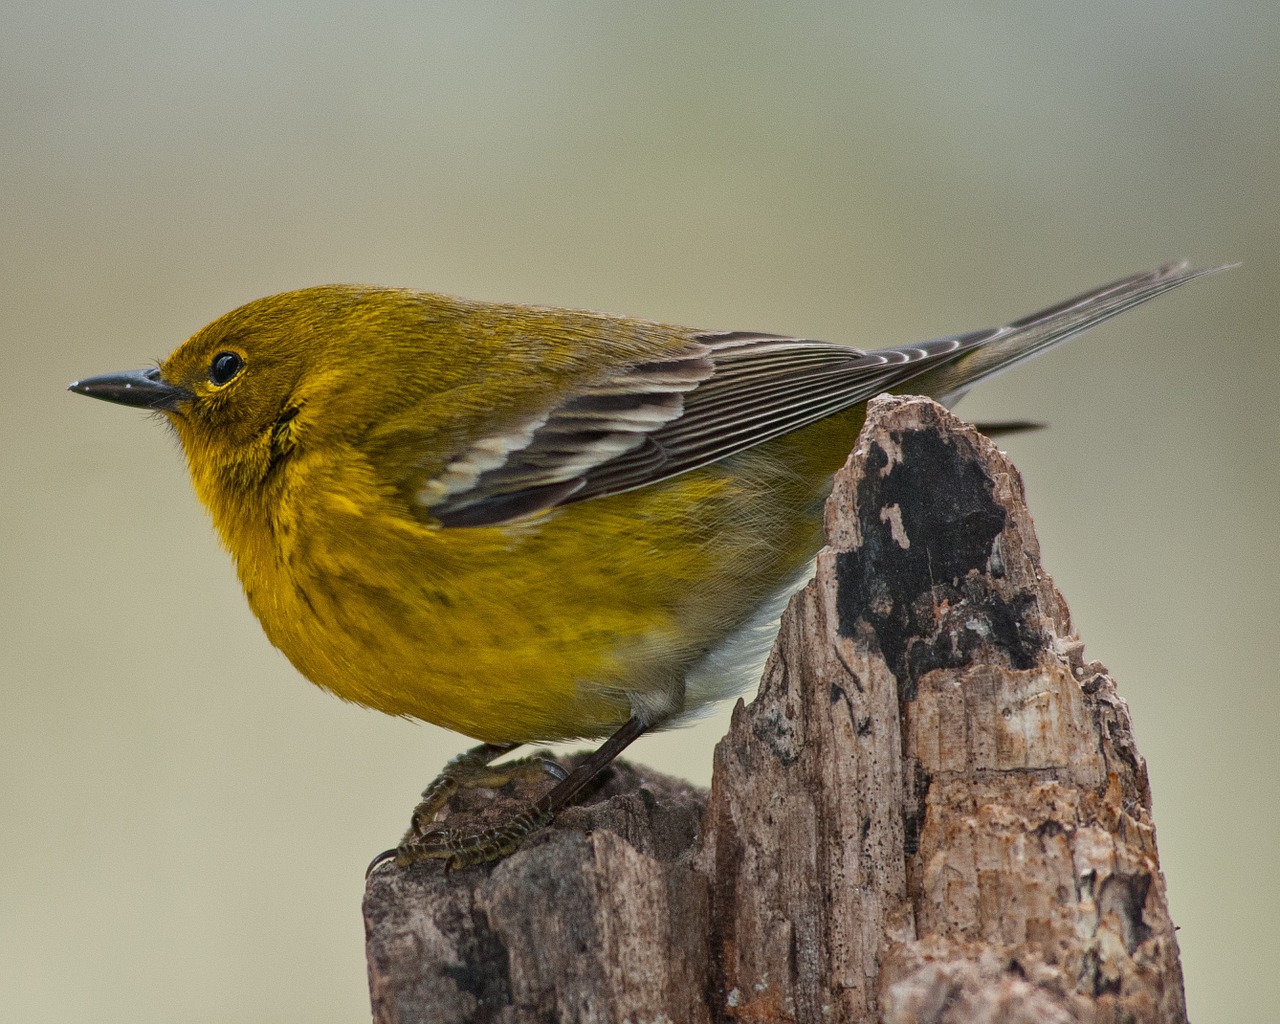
143,388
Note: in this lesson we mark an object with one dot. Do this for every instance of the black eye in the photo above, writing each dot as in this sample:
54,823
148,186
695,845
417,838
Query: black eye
225,365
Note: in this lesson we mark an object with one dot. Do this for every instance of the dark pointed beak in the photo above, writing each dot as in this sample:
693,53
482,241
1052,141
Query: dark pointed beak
143,388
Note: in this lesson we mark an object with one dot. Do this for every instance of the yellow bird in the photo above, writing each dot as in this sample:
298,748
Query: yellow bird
529,524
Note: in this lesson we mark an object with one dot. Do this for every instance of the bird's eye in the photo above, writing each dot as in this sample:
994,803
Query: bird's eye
225,365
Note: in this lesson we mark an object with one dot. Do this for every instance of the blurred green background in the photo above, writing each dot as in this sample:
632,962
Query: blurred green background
185,821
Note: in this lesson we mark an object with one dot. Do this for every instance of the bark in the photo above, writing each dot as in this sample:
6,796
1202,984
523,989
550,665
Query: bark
933,810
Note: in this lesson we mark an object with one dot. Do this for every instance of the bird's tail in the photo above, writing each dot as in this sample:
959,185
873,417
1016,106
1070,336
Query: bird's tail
991,352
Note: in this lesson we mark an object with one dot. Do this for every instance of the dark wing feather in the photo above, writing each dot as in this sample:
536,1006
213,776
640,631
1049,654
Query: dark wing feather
545,462
761,389
656,420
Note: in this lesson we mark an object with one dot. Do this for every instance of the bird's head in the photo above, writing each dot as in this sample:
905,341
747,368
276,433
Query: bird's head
280,374
229,391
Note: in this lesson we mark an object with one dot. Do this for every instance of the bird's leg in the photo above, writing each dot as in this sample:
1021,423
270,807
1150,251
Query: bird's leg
458,847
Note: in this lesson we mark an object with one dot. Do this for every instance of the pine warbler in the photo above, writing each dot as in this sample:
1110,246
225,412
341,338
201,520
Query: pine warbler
529,524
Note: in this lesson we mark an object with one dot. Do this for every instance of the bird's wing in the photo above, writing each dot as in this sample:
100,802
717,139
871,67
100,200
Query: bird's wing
731,391
651,421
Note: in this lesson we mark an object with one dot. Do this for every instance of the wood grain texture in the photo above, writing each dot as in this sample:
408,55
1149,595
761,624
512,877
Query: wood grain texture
934,809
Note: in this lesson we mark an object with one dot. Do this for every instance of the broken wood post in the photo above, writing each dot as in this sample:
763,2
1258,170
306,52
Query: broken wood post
933,810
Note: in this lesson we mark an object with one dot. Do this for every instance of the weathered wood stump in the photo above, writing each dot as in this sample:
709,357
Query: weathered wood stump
933,810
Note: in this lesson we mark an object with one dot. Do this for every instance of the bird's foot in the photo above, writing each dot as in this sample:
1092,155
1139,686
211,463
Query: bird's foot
459,847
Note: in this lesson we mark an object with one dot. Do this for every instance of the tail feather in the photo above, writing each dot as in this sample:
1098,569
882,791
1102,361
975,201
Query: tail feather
995,351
